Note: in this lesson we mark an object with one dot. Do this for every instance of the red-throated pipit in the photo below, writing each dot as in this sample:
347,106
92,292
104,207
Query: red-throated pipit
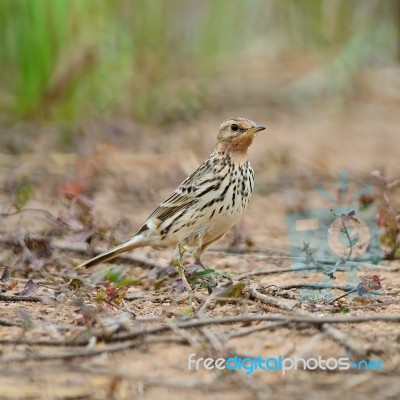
206,204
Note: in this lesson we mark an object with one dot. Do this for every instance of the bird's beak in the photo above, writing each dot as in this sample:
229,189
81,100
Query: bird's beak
256,129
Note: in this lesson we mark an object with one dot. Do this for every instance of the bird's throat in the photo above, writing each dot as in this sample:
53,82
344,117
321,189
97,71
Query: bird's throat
237,149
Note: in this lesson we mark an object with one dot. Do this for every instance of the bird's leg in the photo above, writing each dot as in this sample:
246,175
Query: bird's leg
198,260
201,249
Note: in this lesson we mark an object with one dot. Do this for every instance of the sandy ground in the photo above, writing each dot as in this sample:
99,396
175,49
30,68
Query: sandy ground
300,151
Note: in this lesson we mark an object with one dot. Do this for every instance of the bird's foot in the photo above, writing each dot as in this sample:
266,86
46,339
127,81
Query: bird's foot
193,268
198,261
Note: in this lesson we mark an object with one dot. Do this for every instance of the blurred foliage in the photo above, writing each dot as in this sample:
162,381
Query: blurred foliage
153,59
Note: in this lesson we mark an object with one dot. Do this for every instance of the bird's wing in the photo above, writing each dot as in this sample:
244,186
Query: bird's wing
173,204
188,193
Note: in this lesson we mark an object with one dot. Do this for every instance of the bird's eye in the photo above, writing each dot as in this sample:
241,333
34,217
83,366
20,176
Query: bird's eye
234,127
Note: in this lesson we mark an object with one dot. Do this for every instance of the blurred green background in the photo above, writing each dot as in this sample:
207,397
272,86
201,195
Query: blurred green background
161,61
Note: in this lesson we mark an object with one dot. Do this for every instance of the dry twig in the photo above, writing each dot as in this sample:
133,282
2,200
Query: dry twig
344,340
31,299
283,304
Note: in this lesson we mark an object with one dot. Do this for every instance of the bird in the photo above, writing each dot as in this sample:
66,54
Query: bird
205,205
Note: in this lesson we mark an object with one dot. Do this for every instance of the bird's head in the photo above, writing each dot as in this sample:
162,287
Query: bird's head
237,134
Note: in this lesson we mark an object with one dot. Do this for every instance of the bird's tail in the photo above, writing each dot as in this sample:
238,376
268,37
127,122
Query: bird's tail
136,241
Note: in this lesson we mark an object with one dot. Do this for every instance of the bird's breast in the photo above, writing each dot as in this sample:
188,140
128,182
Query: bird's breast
220,209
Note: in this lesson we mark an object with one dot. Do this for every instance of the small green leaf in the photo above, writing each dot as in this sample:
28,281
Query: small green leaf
75,284
129,281
222,274
175,263
23,194
187,311
158,284
345,310
232,291
101,295
113,275
203,273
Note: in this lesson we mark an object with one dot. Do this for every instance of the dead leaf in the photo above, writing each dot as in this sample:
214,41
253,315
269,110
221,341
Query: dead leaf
29,288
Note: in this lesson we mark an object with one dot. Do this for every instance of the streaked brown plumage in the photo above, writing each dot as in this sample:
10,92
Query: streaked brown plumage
205,205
